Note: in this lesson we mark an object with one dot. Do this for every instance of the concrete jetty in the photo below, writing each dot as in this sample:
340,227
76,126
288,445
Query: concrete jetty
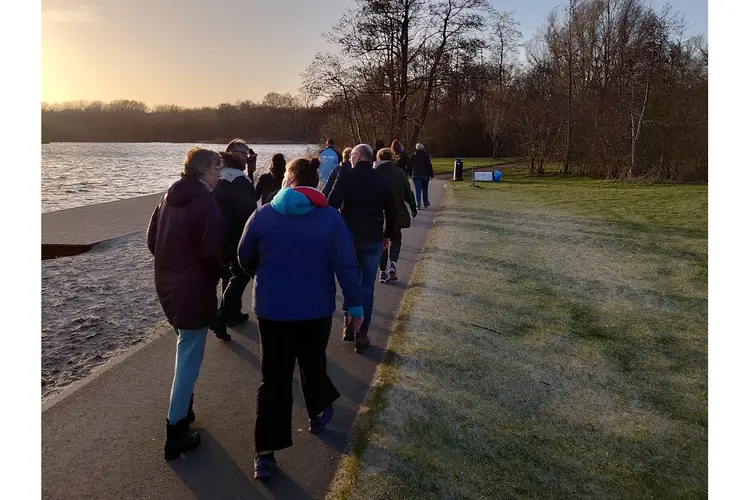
103,437
77,230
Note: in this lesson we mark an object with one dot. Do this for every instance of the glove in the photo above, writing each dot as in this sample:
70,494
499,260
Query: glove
413,212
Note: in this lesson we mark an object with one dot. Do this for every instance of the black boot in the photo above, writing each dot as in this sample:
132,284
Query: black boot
361,341
190,414
220,329
180,440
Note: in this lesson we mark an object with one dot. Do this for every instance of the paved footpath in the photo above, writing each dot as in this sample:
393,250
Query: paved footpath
103,437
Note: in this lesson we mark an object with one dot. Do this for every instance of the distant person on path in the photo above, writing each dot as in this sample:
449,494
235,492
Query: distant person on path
366,203
422,172
236,196
329,158
402,158
270,182
345,164
185,239
401,190
295,247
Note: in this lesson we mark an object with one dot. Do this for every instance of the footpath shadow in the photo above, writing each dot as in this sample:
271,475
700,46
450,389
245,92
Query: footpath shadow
249,330
243,353
212,474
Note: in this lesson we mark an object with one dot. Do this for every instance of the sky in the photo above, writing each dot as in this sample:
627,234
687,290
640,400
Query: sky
205,52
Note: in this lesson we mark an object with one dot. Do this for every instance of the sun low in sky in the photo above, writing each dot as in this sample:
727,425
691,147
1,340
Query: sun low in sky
205,52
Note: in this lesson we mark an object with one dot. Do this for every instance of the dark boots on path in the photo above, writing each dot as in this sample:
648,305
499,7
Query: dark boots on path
180,440
361,342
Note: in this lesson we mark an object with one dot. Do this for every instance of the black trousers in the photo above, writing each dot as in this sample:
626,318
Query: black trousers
233,284
281,343
394,249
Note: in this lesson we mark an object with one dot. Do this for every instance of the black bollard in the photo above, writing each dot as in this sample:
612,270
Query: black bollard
458,169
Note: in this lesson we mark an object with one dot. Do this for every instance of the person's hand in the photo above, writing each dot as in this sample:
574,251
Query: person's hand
355,323
386,243
414,212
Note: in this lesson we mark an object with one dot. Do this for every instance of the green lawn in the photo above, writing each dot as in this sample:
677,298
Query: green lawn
445,165
553,344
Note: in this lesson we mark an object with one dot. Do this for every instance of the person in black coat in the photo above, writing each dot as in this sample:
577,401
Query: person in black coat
422,172
402,158
236,197
270,182
367,204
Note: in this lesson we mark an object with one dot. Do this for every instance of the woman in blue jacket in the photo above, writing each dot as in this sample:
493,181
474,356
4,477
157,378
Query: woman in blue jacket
295,247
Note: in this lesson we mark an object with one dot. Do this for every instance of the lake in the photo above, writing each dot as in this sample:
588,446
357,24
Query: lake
78,174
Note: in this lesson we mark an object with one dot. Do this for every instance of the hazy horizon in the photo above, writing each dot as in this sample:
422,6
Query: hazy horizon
194,53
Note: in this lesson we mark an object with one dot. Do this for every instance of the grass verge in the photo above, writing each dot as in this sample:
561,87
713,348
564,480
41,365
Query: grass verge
553,344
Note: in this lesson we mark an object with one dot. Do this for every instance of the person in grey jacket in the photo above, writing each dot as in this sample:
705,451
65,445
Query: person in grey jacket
403,196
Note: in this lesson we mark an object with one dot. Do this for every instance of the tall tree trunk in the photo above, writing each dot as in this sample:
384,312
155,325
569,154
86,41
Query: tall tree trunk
566,163
403,73
636,130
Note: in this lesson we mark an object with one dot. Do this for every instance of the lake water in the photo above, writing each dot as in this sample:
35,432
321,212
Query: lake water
78,174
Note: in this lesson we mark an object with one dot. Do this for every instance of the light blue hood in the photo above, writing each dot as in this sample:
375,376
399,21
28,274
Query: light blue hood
298,201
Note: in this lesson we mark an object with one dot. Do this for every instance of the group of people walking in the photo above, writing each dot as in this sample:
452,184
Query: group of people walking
335,216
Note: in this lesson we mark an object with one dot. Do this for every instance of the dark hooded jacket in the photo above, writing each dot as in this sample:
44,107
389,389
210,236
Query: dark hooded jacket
184,236
421,165
401,190
235,195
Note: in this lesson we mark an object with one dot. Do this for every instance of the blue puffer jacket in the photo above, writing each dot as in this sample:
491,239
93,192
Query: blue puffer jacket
293,247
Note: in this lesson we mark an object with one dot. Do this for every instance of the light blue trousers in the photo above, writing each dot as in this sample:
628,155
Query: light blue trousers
187,365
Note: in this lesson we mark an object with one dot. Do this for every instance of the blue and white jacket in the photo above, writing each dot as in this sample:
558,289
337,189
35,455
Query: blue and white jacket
329,159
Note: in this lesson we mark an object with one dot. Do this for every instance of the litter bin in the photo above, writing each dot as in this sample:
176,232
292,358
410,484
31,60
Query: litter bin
458,169
497,176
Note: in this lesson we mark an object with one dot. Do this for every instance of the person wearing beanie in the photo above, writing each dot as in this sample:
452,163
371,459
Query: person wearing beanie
295,247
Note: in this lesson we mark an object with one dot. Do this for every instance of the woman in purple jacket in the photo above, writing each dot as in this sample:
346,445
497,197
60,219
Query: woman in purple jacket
184,235
295,247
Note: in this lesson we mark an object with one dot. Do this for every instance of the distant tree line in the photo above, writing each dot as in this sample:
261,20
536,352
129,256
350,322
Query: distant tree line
278,118
608,88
